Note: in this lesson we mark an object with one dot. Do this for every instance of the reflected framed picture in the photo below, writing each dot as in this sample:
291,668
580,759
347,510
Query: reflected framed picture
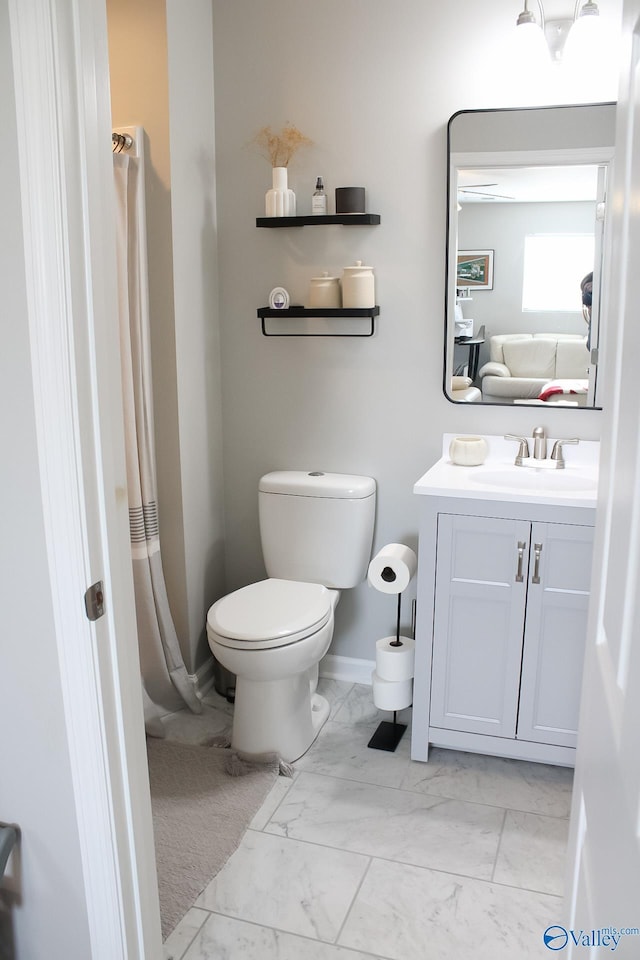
475,269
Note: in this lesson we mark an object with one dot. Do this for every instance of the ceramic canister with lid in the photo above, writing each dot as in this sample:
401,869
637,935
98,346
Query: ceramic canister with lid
358,286
324,292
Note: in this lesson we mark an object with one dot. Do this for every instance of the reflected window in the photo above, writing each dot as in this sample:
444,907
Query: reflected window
554,265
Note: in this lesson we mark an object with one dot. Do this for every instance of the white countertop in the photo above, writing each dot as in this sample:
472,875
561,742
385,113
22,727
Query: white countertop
547,484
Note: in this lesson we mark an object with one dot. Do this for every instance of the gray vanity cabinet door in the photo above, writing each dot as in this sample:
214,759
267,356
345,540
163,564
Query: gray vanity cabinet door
481,580
556,630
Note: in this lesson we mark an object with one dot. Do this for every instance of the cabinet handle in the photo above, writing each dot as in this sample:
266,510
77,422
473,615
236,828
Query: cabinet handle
537,550
521,546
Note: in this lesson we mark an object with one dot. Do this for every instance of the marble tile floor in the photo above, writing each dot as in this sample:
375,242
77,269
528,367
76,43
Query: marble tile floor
367,855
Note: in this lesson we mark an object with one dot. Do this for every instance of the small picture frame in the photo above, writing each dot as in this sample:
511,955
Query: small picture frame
475,269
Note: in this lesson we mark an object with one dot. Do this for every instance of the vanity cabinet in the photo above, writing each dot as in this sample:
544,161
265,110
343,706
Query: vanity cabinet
502,604
509,627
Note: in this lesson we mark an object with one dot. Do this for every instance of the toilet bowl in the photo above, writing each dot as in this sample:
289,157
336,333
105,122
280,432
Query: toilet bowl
316,531
272,634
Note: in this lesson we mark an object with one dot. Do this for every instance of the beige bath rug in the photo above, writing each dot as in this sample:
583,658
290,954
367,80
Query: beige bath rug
200,814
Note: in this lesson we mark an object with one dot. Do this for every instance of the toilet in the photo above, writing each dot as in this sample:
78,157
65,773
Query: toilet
316,531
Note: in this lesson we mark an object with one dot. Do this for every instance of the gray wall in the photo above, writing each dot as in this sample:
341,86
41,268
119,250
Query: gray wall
373,85
195,282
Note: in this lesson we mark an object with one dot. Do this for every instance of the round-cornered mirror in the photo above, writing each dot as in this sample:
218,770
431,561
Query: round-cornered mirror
526,254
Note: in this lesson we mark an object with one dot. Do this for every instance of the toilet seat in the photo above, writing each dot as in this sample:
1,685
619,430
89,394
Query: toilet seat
270,613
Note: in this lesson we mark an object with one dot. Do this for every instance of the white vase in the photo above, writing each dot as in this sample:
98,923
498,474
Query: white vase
280,201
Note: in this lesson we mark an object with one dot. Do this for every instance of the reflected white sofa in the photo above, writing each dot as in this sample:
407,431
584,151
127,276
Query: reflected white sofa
462,389
520,364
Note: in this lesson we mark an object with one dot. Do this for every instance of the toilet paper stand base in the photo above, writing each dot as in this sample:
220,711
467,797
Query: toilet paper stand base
388,735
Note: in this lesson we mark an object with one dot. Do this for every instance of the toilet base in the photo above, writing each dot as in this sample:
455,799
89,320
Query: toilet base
319,713
277,716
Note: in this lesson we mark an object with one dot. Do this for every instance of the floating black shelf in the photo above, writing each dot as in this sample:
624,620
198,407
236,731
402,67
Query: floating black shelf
293,312
345,219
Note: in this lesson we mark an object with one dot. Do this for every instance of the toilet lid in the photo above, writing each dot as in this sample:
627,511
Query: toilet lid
280,611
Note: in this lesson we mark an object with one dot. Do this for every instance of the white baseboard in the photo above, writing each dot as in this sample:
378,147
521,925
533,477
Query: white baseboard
348,669
202,679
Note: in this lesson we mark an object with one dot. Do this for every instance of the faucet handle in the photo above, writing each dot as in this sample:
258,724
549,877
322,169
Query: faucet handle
556,453
523,449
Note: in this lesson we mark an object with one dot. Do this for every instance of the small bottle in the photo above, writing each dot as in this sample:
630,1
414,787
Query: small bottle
319,200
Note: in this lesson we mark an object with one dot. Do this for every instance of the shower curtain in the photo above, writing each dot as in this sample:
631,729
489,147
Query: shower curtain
165,681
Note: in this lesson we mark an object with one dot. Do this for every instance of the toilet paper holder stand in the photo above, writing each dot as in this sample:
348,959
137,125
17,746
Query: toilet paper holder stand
388,733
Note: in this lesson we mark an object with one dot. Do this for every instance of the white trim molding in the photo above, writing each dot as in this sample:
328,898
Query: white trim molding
348,669
203,678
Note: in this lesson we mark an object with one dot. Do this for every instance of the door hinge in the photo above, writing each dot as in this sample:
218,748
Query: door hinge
594,356
94,600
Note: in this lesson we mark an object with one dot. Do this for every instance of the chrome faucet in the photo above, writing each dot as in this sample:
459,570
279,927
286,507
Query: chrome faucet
539,448
539,444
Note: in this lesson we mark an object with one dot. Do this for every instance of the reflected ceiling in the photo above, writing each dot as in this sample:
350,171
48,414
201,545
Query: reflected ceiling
530,185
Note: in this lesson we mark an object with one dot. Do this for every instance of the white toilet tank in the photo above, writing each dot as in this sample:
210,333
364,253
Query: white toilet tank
317,527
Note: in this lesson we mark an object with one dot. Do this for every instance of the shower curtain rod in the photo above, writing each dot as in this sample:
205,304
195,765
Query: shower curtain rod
120,142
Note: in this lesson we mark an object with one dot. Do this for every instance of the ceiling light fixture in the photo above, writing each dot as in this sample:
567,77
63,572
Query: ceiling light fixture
573,39
530,36
585,36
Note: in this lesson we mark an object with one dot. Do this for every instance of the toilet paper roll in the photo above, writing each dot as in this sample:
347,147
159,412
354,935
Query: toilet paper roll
391,694
392,568
395,663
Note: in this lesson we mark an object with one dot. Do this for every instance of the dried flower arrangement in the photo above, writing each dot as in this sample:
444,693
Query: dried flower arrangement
279,148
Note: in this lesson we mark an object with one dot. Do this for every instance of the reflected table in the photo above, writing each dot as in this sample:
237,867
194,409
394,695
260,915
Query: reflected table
474,344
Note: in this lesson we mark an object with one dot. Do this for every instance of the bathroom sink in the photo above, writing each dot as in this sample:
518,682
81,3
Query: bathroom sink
528,478
534,481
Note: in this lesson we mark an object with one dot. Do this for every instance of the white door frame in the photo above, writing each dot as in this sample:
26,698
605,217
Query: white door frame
61,75
604,847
